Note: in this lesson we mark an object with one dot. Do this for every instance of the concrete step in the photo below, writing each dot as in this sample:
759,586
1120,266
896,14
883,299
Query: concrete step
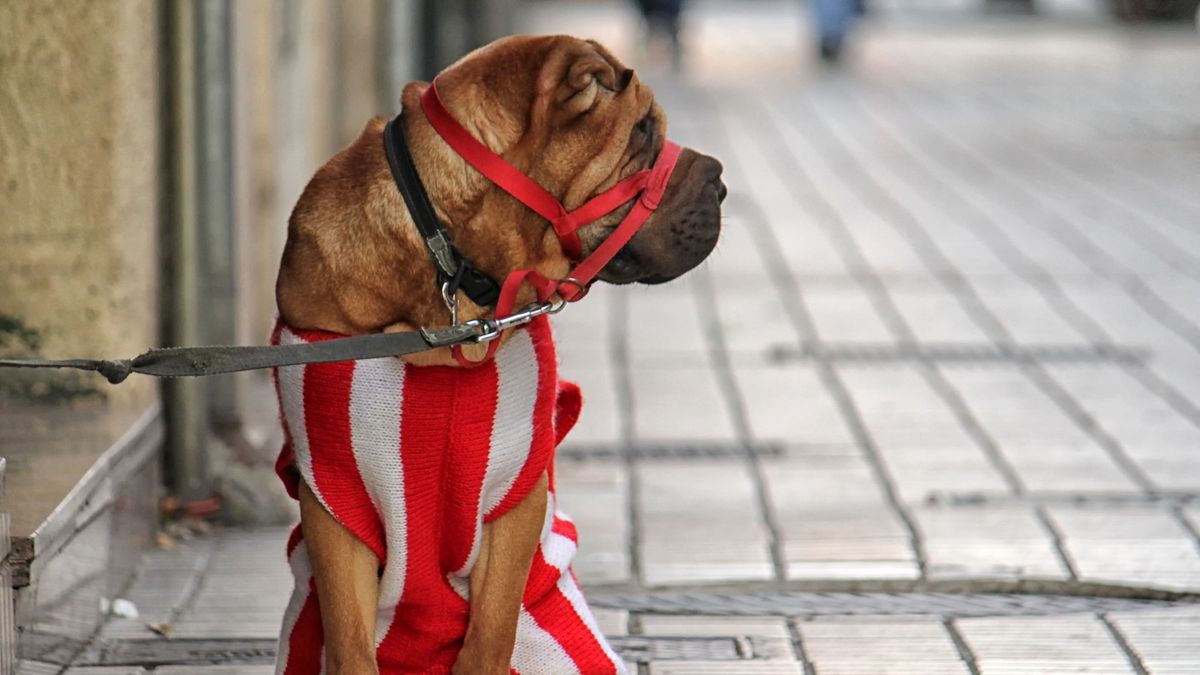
60,574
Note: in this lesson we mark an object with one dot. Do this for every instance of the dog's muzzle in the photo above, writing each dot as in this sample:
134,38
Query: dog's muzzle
646,186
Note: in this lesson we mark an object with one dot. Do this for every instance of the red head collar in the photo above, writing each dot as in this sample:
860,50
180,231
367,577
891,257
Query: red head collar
647,186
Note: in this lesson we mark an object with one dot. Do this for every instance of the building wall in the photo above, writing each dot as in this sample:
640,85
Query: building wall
80,132
79,117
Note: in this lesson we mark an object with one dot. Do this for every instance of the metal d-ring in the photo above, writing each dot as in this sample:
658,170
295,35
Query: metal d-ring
583,288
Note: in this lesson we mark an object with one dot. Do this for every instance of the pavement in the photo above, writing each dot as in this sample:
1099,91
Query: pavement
933,406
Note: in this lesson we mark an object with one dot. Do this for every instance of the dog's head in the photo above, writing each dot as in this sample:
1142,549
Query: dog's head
576,120
563,111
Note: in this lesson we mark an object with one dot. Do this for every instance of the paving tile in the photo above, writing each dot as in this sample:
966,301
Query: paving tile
1135,522
1128,322
934,315
895,568
1192,515
582,332
1120,315
1063,469
678,405
714,626
1169,564
800,486
959,470
751,321
700,522
164,581
1164,640
743,269
846,315
835,520
1026,314
594,495
901,411
996,542
787,404
612,622
664,326
1010,405
1039,644
880,241
1139,545
890,646
805,250
1181,369
1160,440
959,243
1046,448
244,590
600,421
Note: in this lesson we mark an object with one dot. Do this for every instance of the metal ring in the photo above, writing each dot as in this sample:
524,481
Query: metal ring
488,331
451,301
583,289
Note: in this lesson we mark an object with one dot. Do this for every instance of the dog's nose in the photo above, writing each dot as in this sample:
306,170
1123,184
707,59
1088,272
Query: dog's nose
711,167
710,170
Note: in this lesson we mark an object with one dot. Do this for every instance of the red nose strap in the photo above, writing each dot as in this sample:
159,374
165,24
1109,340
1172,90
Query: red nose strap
646,186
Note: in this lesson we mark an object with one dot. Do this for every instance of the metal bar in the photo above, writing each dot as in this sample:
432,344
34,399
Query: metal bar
185,401
213,82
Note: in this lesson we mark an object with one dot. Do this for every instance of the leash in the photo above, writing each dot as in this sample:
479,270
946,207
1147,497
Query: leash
199,361
645,188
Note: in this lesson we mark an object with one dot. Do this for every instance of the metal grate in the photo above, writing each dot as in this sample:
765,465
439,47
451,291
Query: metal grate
163,652
645,649
945,605
184,652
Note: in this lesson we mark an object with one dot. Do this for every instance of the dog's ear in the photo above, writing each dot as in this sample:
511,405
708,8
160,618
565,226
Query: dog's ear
585,77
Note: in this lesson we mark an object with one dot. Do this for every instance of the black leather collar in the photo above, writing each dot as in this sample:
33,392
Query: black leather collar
453,267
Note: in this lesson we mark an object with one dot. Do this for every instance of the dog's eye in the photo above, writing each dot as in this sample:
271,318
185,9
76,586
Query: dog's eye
644,126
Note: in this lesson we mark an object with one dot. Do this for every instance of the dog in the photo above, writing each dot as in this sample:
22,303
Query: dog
429,539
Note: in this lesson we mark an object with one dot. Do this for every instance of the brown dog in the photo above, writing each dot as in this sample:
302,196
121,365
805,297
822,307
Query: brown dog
574,119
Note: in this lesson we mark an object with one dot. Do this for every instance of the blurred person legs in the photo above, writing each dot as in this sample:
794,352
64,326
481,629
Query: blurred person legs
834,20
662,19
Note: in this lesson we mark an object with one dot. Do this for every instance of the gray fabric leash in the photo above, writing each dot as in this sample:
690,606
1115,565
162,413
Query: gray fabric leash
198,361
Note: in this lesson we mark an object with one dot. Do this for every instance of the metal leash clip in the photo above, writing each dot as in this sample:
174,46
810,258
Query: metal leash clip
450,297
494,327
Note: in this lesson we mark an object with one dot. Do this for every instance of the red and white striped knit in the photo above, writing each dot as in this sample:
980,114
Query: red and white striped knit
413,460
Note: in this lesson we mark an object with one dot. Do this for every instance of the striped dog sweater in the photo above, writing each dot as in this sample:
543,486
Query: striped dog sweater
413,461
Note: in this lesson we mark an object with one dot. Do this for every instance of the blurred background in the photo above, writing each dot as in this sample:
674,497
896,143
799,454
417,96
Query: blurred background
915,184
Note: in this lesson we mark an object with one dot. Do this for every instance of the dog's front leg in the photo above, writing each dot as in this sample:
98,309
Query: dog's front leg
347,576
498,585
